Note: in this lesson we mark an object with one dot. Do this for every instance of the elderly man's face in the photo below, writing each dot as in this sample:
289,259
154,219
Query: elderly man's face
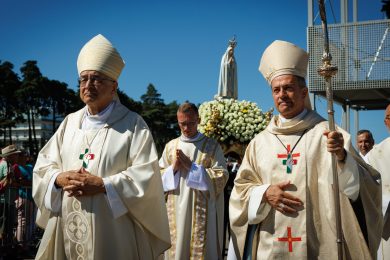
289,97
364,143
96,89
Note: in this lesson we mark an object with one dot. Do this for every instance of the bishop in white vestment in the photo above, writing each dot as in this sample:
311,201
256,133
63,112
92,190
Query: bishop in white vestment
282,205
96,182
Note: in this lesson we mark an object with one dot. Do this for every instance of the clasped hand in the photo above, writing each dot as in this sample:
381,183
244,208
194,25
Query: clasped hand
181,162
80,183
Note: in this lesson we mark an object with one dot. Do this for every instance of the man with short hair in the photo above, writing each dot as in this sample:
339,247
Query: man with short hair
379,158
194,175
281,205
96,182
364,142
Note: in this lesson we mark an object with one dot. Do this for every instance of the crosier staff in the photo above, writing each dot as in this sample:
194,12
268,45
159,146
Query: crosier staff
327,71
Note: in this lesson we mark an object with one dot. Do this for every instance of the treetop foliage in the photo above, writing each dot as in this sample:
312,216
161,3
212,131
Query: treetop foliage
31,95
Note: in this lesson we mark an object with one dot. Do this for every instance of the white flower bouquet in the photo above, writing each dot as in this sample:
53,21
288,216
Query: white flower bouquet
231,121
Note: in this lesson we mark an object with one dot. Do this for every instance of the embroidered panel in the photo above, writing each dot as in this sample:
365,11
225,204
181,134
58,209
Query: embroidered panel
199,226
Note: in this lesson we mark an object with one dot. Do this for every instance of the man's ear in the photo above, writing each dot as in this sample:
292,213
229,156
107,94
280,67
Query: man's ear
115,87
305,92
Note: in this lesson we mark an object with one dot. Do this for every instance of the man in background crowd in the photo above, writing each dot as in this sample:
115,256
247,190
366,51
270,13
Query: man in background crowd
365,142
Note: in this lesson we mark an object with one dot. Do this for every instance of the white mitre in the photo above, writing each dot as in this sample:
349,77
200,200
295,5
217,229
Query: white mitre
284,58
100,55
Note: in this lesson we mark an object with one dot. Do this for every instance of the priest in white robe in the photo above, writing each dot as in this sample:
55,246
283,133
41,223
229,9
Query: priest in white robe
96,182
379,158
282,201
194,175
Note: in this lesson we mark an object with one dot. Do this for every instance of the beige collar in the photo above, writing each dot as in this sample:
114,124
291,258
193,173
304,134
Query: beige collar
308,120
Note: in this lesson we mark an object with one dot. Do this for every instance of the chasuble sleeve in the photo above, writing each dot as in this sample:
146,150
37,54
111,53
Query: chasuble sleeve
113,200
361,180
48,163
170,180
217,174
248,177
348,170
196,178
53,195
164,162
348,177
257,209
140,186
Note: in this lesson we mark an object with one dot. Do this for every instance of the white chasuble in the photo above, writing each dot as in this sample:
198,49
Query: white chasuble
76,212
297,153
379,158
196,214
85,228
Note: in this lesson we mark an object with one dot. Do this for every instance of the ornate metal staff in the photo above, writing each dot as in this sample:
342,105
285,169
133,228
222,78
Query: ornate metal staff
327,71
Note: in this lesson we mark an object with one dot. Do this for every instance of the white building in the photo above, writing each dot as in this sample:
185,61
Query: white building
43,131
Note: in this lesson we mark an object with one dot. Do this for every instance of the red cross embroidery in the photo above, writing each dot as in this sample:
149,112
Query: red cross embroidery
288,151
289,239
294,161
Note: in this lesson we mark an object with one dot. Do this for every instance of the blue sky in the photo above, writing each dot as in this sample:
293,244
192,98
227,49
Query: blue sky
175,45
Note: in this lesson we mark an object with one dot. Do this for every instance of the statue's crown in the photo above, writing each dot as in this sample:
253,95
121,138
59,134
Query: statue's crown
233,42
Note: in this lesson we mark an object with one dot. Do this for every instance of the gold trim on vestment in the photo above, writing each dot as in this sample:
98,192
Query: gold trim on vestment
199,226
199,216
171,202
171,209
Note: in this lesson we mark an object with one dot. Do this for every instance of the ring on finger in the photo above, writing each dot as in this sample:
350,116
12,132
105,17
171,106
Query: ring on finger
281,205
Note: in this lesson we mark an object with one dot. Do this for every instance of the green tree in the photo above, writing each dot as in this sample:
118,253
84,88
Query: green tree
160,118
130,103
31,97
9,112
73,101
59,99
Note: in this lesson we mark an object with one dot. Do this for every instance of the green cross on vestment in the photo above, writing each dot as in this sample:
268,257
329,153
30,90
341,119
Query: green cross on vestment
289,161
86,157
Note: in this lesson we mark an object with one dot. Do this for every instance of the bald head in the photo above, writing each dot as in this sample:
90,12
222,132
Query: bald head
387,117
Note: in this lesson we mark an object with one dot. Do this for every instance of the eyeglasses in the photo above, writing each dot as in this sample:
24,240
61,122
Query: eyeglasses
188,124
95,80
